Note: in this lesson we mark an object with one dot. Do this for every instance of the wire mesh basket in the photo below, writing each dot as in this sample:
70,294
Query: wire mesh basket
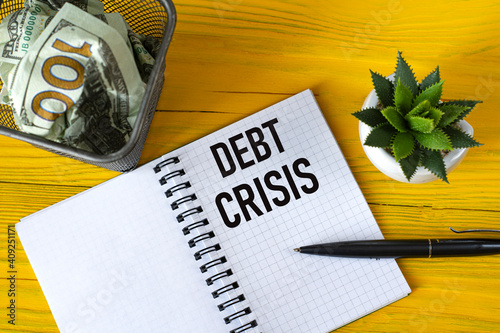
154,18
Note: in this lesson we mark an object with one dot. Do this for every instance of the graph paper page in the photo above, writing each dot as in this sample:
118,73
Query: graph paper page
288,291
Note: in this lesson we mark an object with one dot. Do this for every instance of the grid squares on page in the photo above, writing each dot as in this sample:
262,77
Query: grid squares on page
259,249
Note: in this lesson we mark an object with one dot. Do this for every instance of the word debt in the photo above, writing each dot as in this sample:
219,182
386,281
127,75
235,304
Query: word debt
256,138
275,189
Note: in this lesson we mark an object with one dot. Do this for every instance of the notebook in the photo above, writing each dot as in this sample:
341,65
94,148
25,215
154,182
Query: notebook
202,238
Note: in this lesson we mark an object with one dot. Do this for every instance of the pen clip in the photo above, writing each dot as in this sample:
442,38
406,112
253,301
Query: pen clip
473,230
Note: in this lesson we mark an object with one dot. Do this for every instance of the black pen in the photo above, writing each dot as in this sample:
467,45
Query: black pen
405,248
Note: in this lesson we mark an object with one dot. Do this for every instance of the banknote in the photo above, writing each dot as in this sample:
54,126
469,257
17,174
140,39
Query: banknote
20,29
5,70
117,21
76,85
89,6
144,59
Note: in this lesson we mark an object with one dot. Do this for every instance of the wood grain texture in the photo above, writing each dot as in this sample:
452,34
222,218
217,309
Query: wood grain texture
230,58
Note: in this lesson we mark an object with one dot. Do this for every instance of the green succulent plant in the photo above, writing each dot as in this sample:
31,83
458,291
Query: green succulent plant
413,123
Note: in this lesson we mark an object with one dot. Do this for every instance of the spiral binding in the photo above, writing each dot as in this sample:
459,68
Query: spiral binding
178,202
178,187
172,160
225,289
217,276
176,173
219,261
198,255
187,230
201,237
237,299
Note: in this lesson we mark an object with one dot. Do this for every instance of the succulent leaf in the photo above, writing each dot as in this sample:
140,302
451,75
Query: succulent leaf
463,102
370,116
435,140
430,79
395,119
421,124
460,139
384,89
469,103
402,98
405,73
409,164
419,109
381,136
432,94
451,114
433,161
403,145
436,115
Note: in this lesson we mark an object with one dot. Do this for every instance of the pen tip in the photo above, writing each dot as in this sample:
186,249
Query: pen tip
297,249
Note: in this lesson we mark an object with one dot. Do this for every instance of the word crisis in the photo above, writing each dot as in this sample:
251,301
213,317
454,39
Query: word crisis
254,197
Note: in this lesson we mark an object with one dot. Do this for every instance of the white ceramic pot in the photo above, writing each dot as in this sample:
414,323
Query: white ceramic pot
386,163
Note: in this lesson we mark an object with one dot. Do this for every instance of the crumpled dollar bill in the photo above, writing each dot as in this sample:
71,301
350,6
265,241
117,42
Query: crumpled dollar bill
81,90
66,71
20,29
89,6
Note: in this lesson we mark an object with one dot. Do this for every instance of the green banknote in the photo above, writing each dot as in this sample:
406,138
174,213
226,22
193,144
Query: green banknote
90,6
76,85
20,29
144,59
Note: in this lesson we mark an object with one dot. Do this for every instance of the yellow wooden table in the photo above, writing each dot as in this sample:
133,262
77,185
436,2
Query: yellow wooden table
230,58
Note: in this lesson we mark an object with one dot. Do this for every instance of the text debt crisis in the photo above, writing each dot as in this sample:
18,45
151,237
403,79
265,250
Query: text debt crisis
245,150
